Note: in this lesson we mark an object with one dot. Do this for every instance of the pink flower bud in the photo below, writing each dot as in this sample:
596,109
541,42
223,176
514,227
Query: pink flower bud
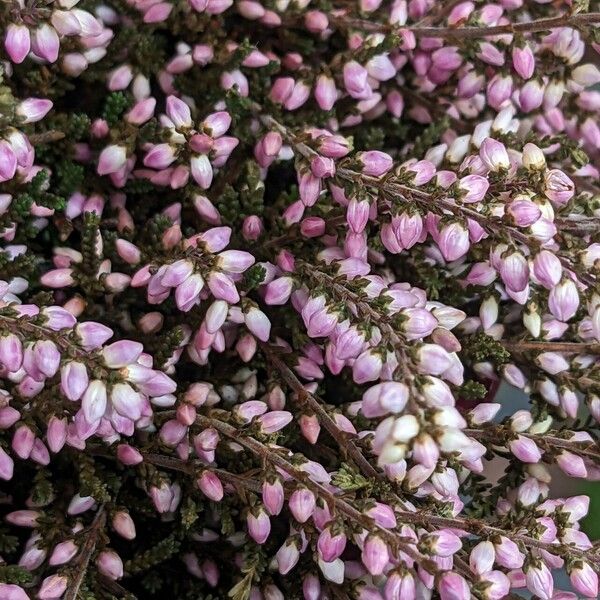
259,526
571,464
53,587
63,553
302,504
539,581
558,188
6,466
584,580
473,188
22,442
311,587
94,401
375,555
523,61
128,455
494,155
325,92
32,110
8,417
17,42
274,421
367,367
10,591
453,586
58,278
110,564
586,75
287,557
23,518
111,159
375,163
514,271
310,427
356,80
141,112
453,241
563,300
524,212
11,352
508,554
211,486
273,496
331,545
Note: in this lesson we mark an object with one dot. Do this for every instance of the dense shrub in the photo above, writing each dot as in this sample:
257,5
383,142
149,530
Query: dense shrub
263,268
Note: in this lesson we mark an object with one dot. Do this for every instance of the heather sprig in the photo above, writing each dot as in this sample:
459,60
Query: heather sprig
263,267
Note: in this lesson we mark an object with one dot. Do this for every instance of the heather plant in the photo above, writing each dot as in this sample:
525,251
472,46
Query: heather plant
263,266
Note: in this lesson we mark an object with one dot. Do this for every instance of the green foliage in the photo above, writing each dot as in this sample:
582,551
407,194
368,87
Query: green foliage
481,347
114,106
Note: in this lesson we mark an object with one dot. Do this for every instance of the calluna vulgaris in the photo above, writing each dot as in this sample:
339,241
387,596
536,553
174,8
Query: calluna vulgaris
264,266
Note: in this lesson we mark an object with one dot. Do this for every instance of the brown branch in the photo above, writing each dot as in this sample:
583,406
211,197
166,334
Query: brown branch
346,445
425,519
269,455
46,137
501,434
190,468
460,32
478,527
567,347
89,545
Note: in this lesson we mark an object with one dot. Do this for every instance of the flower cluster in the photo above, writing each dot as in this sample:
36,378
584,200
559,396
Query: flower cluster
263,267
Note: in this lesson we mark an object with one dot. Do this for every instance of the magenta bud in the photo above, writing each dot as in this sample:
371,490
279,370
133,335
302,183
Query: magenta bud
453,586
273,496
123,524
53,587
73,380
375,163
274,421
375,555
259,526
22,442
129,455
110,564
302,504
211,486
56,434
11,352
331,545
23,518
63,553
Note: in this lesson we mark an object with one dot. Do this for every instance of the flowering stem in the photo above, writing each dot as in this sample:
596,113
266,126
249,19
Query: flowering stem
422,518
501,434
269,455
479,527
87,550
46,136
346,445
569,347
491,225
577,20
176,464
